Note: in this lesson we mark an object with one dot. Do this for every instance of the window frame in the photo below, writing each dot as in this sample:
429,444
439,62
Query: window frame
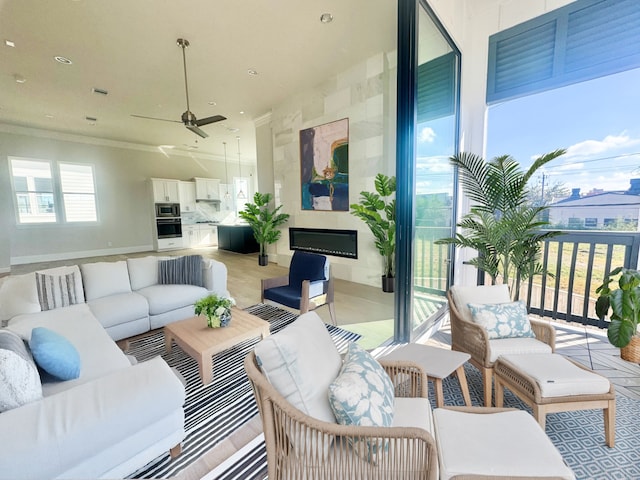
59,207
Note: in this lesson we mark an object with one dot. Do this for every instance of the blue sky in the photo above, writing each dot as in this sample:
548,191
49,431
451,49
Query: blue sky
598,122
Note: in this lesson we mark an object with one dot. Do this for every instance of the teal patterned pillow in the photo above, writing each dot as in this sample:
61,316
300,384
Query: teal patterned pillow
363,394
502,320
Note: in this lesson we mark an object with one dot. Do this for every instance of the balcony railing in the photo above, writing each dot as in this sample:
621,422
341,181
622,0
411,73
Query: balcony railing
578,261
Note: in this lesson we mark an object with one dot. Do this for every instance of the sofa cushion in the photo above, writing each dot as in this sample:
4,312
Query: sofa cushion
19,379
502,320
301,361
165,298
119,308
484,294
143,272
18,295
105,278
55,291
98,357
65,270
55,354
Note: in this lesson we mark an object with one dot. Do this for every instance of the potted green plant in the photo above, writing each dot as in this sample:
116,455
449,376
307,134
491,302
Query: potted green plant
502,226
216,308
264,221
624,304
378,211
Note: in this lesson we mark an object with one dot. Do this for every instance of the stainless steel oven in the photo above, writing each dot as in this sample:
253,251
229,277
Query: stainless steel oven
169,227
167,210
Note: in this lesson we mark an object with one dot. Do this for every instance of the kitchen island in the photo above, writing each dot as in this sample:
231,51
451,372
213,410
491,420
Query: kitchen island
237,238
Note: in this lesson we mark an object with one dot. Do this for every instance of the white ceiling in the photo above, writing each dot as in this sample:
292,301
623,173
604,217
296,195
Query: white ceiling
128,47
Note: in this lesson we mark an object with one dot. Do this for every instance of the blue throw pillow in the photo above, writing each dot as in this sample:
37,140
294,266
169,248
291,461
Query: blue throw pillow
502,320
54,354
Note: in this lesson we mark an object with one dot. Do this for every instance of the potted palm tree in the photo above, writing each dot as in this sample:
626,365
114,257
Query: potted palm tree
378,211
264,222
624,304
502,226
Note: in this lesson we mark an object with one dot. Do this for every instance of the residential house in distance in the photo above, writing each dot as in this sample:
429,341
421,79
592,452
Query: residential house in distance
598,210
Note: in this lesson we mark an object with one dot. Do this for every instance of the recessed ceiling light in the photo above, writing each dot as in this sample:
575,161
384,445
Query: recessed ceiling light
63,60
326,18
9,43
19,78
241,112
252,72
48,115
212,103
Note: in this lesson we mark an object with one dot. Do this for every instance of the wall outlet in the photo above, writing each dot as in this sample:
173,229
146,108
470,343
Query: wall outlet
109,244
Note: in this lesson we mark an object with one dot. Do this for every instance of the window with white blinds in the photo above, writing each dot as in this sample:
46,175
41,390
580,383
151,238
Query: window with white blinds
581,41
46,192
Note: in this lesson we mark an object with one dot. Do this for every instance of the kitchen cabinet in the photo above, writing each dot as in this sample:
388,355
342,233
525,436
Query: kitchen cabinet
190,236
207,189
165,190
169,243
187,194
237,238
200,235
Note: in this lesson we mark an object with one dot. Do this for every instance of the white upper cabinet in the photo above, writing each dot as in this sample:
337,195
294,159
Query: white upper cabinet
165,190
207,188
187,196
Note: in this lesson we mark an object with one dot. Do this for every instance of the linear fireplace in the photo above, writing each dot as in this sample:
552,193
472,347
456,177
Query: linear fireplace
340,243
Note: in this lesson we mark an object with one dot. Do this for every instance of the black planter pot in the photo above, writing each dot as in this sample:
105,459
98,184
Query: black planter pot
263,260
388,284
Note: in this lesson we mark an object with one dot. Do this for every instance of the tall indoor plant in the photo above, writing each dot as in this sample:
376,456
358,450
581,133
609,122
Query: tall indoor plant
624,304
378,211
264,221
501,225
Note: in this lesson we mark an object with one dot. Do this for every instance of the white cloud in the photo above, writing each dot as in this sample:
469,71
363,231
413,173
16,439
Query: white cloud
427,135
598,147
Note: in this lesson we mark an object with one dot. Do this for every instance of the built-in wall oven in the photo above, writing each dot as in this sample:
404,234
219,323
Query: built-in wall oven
169,227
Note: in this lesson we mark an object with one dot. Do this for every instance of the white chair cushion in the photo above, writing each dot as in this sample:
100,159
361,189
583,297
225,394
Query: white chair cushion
495,444
413,412
18,295
507,346
105,278
557,376
483,294
301,361
143,272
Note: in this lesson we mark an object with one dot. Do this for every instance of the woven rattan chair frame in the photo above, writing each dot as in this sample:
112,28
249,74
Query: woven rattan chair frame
473,339
408,453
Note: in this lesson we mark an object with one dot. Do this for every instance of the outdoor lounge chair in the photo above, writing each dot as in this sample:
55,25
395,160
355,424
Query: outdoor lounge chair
291,373
472,338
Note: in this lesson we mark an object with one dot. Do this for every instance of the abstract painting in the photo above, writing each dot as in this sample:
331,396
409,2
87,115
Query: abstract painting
324,166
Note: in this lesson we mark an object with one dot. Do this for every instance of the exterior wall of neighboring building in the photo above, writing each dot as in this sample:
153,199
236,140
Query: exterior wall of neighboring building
596,211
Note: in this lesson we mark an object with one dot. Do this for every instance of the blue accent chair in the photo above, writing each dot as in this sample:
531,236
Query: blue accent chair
308,286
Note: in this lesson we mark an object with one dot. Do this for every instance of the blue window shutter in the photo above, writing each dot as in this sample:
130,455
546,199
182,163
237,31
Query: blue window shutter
581,41
436,88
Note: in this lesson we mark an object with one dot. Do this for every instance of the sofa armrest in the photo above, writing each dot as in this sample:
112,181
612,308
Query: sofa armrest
544,332
214,277
52,435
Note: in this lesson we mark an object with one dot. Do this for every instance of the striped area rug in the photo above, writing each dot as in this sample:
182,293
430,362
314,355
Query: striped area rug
214,411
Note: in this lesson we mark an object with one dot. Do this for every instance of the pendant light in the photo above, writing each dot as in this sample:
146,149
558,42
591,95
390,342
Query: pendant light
241,194
227,196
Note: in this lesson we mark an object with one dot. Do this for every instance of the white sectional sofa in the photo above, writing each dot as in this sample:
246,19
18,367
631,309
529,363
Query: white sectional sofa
118,414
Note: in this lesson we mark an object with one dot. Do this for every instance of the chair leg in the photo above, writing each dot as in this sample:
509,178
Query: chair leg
332,312
487,380
610,424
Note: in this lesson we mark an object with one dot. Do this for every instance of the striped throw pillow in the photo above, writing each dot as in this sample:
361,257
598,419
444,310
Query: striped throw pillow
55,291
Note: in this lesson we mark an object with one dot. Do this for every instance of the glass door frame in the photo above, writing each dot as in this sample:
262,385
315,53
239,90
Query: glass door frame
408,12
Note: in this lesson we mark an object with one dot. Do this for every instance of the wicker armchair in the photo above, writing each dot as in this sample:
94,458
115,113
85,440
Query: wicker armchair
472,338
323,450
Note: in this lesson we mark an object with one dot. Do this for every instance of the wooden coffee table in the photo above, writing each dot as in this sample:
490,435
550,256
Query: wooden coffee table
202,343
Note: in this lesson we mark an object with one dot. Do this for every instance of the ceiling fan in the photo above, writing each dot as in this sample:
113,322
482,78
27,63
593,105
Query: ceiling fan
188,118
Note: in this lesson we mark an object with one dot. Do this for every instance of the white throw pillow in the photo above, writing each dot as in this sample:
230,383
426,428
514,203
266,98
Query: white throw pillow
462,296
102,279
143,272
19,378
18,295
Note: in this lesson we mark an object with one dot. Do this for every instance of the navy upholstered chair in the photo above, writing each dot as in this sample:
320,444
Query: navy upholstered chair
308,286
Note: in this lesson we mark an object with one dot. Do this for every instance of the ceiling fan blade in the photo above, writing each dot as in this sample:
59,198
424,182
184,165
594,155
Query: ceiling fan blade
208,120
196,130
155,118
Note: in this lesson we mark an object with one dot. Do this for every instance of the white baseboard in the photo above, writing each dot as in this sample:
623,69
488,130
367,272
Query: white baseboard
53,257
5,269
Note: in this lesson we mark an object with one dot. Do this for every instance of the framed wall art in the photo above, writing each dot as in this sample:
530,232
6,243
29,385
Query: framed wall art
324,166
